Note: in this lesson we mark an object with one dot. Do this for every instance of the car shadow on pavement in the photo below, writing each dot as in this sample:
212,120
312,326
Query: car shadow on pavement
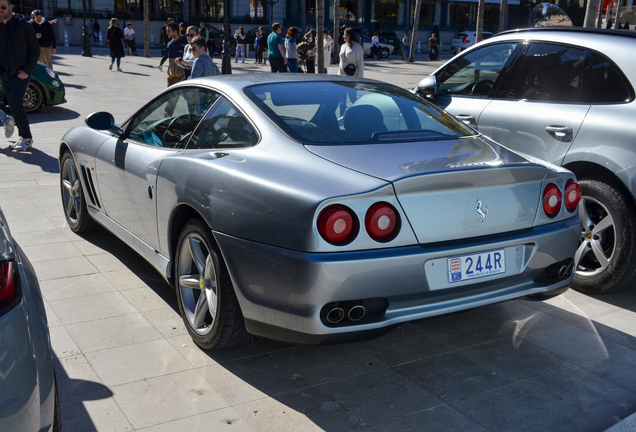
33,156
57,113
494,368
76,394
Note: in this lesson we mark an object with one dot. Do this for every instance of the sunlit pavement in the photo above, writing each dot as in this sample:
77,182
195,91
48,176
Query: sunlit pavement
125,362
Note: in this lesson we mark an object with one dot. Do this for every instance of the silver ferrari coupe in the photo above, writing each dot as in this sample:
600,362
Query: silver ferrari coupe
317,209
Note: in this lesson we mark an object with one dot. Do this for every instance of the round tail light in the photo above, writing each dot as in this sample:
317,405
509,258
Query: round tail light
382,222
338,225
572,195
552,200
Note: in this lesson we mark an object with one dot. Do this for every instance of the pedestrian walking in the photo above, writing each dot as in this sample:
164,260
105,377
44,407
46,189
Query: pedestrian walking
9,124
18,57
187,60
203,64
351,55
240,45
129,38
95,30
174,51
375,46
291,51
432,45
46,37
406,45
165,39
276,50
115,41
327,46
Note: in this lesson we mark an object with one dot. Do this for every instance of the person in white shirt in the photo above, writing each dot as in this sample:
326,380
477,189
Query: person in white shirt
375,46
351,55
328,47
129,38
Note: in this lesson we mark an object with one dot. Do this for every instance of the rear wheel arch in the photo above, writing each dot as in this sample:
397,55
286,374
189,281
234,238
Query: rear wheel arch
592,171
180,217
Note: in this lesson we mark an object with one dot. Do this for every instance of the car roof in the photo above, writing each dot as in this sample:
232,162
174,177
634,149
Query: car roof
613,44
565,30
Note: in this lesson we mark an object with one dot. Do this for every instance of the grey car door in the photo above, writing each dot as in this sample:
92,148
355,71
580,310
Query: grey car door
466,84
541,107
128,166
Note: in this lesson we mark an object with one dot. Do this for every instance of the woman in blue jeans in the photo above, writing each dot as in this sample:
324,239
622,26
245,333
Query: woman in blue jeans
291,51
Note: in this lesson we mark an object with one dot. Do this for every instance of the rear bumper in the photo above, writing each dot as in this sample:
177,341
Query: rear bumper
282,292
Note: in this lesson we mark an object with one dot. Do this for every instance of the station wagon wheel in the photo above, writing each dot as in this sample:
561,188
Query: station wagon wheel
207,301
33,97
385,53
73,197
605,259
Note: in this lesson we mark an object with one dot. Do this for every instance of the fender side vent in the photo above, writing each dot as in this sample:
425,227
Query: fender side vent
90,186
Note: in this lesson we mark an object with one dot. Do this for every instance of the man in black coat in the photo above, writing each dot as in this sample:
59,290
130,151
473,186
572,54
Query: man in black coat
46,37
19,53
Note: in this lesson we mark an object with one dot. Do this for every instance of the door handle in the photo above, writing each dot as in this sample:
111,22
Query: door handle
561,133
467,119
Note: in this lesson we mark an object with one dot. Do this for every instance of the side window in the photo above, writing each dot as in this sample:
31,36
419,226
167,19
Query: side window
608,82
223,127
170,119
551,73
475,73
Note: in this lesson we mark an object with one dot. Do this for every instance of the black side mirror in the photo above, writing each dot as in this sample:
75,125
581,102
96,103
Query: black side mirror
428,86
102,120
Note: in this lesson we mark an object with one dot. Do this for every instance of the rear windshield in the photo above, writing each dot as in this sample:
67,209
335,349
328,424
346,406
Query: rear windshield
346,112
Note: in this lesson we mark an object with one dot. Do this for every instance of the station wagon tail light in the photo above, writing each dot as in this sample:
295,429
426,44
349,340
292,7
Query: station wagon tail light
572,195
465,39
382,222
552,200
9,293
338,225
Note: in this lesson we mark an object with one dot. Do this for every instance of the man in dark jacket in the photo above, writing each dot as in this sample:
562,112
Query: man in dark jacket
46,37
19,53
165,39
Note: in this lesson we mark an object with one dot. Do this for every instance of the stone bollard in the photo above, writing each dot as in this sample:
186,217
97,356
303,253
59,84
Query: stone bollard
65,38
419,43
152,40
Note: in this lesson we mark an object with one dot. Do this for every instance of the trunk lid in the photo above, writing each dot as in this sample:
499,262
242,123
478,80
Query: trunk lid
453,189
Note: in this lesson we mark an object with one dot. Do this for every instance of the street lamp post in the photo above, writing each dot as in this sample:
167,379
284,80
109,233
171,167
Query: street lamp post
226,66
86,41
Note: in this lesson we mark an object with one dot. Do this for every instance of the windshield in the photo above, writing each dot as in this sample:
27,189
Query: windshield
321,112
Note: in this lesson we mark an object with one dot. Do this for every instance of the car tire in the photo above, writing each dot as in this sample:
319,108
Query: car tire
33,97
206,296
605,260
385,53
73,199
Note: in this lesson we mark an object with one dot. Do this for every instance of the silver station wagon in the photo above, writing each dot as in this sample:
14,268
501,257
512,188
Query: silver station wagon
314,209
564,95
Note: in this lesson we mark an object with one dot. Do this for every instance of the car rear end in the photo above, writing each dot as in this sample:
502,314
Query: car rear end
28,394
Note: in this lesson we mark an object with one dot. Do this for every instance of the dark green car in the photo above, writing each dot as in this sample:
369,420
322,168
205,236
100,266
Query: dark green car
45,88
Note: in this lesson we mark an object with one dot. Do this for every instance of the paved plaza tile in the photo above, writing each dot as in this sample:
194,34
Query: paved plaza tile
125,361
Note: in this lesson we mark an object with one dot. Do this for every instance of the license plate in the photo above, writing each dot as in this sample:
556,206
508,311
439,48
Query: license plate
476,266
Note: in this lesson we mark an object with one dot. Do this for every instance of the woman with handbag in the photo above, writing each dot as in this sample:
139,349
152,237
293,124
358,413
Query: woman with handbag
115,42
351,55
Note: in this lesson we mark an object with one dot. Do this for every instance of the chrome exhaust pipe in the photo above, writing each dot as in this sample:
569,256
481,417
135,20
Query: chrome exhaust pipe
563,271
356,313
570,269
335,315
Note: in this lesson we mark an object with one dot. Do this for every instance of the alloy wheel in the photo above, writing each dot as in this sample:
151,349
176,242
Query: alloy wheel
597,244
198,284
71,191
